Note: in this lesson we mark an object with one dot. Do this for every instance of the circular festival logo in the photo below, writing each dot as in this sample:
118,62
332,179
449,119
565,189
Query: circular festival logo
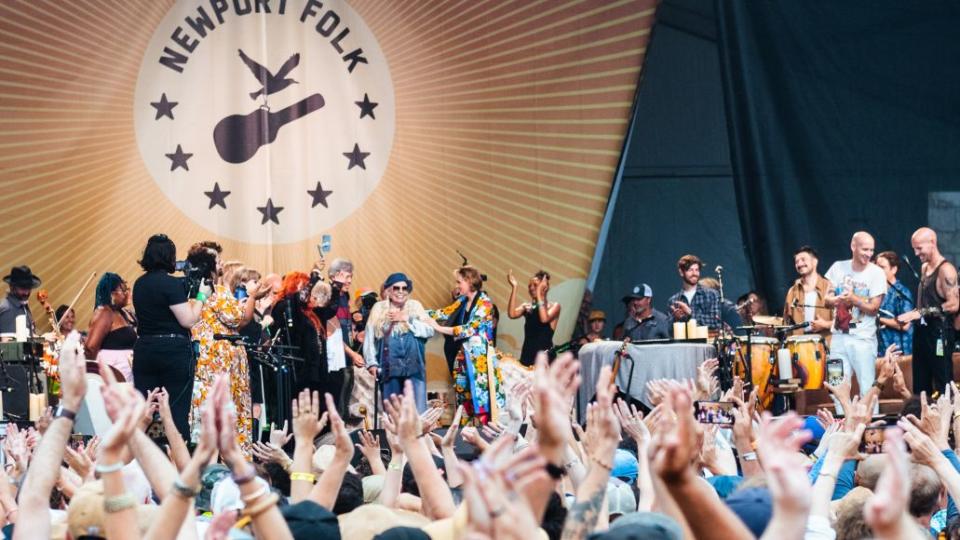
266,121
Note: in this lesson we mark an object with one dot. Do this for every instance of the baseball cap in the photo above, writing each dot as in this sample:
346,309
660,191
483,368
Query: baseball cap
639,291
597,315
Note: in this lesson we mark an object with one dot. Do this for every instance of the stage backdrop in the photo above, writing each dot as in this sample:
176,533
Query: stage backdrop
406,130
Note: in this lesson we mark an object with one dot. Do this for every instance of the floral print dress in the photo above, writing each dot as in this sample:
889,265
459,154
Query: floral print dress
221,314
472,375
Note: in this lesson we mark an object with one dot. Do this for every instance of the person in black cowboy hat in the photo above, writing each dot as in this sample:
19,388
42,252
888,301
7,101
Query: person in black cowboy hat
21,281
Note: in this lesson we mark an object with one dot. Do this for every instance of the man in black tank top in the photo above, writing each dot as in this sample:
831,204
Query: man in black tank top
934,334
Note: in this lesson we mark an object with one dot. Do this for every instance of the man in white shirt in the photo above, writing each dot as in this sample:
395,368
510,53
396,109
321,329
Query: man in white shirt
857,289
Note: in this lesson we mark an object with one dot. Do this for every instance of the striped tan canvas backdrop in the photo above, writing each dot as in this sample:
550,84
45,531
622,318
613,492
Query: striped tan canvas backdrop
405,130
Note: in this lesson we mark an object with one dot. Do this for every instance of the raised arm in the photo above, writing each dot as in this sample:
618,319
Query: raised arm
706,514
513,310
433,490
307,424
45,468
327,488
546,314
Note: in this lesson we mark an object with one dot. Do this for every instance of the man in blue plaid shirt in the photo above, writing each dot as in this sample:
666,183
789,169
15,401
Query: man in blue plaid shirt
694,300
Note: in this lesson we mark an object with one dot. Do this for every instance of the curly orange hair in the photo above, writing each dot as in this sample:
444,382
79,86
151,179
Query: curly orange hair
292,284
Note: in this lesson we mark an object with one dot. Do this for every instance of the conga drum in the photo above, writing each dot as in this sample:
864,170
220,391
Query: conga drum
763,364
809,359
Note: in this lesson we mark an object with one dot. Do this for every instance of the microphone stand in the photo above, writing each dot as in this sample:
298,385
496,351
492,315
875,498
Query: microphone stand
726,365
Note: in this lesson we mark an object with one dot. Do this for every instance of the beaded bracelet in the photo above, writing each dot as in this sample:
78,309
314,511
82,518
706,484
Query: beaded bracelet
602,464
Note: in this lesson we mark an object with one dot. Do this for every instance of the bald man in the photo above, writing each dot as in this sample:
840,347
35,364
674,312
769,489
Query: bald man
938,300
856,290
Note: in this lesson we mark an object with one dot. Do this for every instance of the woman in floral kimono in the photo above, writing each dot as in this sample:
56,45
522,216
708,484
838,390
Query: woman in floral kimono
222,313
476,373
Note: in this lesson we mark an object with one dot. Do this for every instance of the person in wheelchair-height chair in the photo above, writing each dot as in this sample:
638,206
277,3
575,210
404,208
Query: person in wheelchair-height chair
163,354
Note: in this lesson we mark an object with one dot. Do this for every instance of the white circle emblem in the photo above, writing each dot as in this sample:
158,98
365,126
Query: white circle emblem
265,121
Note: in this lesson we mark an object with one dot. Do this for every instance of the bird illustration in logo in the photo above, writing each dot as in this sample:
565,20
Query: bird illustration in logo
238,136
272,83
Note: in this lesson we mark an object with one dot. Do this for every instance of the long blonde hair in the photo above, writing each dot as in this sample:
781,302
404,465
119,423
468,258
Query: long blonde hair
378,320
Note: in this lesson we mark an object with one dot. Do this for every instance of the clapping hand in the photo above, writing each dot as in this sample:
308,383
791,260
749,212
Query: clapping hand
778,446
307,421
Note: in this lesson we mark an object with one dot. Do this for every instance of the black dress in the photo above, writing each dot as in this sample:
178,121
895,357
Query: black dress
163,353
310,370
537,336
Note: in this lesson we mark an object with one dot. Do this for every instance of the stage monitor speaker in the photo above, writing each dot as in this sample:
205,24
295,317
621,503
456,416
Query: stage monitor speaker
16,392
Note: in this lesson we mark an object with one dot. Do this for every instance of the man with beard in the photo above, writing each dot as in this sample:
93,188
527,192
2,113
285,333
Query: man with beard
694,300
805,299
645,323
935,334
21,281
858,287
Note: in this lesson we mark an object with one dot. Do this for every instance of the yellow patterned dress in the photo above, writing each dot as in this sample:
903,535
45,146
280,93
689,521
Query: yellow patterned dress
221,315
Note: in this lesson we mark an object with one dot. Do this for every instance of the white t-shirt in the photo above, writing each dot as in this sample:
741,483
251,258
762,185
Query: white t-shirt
336,355
869,283
690,294
809,301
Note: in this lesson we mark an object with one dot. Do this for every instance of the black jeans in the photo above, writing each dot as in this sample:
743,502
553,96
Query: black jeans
168,362
932,372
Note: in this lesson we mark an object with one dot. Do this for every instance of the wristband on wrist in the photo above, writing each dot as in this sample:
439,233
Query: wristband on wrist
555,471
247,499
65,413
398,466
303,476
118,503
749,456
249,477
107,469
261,505
184,490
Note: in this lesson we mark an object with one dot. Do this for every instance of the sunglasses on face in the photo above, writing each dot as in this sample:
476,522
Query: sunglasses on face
399,288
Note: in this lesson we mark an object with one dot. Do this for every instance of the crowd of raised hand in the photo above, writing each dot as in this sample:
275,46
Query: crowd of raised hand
535,474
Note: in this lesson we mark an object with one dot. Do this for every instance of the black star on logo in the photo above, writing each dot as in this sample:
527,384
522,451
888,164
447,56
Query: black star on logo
179,159
165,108
270,212
218,197
366,107
356,157
319,196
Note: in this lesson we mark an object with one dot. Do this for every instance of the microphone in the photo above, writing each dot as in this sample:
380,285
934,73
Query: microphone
229,337
718,269
793,327
910,266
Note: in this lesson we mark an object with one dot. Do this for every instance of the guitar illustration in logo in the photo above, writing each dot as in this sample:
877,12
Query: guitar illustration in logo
238,137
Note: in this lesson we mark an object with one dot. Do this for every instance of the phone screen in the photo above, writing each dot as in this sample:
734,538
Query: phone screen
714,412
834,371
325,244
872,442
